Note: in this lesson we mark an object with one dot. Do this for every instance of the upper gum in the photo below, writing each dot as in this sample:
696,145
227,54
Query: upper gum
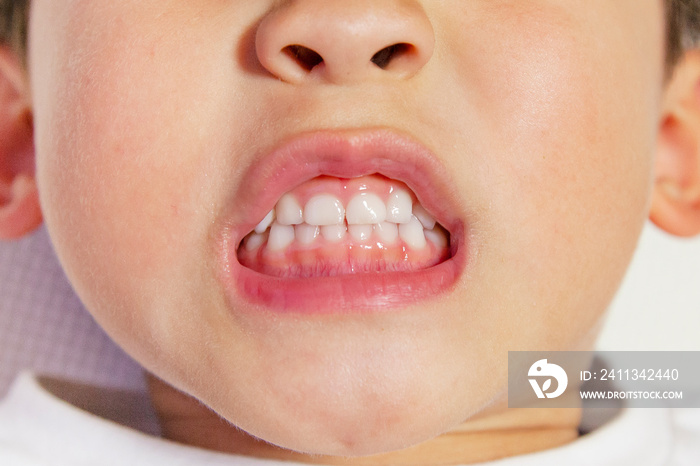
345,189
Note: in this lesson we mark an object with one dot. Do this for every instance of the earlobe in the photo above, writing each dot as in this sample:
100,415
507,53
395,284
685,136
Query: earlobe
19,201
675,203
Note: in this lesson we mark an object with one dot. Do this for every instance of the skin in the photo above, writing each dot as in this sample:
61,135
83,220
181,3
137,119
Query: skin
545,111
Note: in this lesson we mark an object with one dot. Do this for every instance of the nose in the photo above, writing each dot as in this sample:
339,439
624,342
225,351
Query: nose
345,41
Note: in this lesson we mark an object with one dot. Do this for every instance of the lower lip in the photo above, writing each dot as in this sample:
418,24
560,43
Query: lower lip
345,293
342,294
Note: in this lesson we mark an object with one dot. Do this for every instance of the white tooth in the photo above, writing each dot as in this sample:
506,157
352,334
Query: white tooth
437,236
254,241
387,232
425,218
399,207
360,232
412,233
288,210
280,237
266,222
365,209
324,209
305,233
333,233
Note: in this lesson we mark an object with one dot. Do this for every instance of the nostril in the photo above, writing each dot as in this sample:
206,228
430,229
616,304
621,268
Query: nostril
304,56
388,54
343,42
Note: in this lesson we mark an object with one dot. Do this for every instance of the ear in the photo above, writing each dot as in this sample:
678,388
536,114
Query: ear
19,200
675,205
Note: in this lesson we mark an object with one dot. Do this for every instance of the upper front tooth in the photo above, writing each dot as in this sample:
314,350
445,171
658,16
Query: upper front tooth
365,209
399,207
265,222
425,218
324,209
289,211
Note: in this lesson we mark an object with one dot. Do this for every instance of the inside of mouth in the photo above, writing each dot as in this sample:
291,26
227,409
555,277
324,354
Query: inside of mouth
331,226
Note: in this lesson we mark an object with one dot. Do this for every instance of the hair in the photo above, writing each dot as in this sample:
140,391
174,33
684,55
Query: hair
682,26
14,16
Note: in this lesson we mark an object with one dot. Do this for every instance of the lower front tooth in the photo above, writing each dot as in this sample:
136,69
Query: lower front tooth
424,217
387,232
360,232
305,233
280,237
437,236
254,241
412,233
333,233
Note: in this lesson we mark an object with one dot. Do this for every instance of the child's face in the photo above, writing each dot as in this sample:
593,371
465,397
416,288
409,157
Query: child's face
156,129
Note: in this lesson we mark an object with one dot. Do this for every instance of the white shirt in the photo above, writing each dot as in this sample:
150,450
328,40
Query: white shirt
39,429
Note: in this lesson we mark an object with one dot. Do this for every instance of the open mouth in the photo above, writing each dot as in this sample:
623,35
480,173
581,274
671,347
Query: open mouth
332,226
343,221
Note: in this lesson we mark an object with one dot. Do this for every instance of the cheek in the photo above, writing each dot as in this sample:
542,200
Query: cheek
127,180
561,145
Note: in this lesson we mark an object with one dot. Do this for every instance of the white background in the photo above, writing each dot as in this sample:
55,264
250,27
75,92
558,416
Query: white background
658,305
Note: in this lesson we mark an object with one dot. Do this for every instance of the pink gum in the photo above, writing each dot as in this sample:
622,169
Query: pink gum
343,257
344,188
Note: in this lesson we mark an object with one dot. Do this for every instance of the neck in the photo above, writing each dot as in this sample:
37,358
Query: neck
509,432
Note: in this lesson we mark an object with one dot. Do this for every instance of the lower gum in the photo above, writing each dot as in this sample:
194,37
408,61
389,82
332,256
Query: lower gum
345,260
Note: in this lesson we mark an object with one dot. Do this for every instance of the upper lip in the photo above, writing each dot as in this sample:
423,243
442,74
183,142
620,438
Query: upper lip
343,154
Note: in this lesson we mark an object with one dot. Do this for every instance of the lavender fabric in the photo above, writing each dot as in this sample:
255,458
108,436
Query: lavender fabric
45,329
